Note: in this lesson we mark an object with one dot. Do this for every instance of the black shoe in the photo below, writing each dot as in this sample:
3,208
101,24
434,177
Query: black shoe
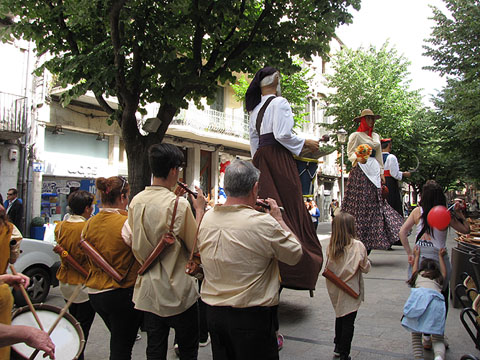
345,357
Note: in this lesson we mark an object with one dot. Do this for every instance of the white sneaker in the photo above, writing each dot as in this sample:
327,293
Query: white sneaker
206,342
438,357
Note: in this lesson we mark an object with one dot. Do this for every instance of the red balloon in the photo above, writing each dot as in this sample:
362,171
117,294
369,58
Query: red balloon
439,217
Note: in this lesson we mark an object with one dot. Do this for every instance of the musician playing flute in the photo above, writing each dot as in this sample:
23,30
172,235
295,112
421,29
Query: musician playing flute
67,235
109,234
166,294
240,248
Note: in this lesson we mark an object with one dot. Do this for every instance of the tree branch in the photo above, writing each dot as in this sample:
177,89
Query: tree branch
103,103
242,45
119,59
70,37
214,54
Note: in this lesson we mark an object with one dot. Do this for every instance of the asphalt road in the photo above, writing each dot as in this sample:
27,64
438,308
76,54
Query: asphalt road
308,323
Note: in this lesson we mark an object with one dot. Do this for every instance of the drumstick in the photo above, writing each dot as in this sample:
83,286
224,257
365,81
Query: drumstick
60,316
27,299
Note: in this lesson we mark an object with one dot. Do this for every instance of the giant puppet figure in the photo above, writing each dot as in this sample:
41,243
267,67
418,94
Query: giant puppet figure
272,145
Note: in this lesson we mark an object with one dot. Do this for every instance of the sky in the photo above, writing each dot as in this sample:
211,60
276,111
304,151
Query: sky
405,24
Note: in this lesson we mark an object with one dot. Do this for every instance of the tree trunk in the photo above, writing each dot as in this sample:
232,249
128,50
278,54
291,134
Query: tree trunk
136,146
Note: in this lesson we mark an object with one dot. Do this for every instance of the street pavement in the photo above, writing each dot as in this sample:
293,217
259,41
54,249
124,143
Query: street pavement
308,323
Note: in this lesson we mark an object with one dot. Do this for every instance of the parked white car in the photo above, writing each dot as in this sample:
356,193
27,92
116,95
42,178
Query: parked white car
38,261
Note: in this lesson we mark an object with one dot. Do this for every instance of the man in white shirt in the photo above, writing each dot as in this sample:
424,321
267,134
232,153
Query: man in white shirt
272,144
240,248
392,176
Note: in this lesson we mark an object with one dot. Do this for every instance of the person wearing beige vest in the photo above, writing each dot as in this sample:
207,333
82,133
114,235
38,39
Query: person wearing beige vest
166,294
108,232
67,235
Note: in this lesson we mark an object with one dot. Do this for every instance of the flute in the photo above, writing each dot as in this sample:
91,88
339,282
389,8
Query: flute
184,187
263,204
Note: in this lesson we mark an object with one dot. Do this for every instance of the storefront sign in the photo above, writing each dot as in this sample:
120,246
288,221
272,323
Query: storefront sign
37,167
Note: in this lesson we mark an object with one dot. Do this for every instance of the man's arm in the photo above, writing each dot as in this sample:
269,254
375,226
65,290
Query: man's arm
38,339
288,249
441,259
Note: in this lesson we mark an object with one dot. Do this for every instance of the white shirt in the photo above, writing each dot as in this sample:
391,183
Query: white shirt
392,164
278,119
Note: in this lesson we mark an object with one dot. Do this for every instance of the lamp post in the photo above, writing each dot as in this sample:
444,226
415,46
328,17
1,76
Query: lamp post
342,139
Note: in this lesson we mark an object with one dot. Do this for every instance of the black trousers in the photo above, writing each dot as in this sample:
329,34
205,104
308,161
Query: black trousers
186,334
242,334
117,310
344,327
85,315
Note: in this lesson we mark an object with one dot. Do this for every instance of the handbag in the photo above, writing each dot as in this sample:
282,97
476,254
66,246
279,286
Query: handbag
342,285
194,265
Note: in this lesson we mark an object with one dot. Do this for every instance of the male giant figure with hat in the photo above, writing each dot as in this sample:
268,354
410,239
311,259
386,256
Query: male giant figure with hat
392,175
272,145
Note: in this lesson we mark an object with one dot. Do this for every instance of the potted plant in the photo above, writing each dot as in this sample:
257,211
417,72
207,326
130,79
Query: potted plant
37,228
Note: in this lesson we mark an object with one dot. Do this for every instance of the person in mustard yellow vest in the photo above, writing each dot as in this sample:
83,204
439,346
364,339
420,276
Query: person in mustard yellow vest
67,235
10,239
108,232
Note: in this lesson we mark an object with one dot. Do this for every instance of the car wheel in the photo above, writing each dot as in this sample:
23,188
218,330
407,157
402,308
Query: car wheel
37,289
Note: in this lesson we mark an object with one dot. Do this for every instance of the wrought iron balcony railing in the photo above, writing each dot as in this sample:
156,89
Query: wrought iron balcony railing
209,120
13,114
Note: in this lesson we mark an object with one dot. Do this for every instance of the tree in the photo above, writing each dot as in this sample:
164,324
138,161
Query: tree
377,80
454,47
144,51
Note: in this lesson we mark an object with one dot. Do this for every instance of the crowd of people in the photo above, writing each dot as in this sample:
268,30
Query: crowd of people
217,274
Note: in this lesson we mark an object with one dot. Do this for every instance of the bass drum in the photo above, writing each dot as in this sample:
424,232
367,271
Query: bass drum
67,336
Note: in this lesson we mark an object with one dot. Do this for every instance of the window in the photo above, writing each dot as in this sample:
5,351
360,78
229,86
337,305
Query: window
219,102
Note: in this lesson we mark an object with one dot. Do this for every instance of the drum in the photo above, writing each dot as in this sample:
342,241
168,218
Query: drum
67,336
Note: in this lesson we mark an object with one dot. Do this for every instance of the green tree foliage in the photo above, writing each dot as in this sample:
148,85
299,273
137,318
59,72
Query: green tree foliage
454,46
144,51
377,80
294,88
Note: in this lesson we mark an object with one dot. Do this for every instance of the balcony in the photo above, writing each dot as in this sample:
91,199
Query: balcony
212,126
13,116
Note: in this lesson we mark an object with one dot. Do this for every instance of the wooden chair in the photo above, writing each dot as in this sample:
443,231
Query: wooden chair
466,291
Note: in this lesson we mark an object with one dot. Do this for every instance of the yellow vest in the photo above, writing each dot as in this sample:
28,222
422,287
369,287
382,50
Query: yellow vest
104,232
6,298
69,238
5,237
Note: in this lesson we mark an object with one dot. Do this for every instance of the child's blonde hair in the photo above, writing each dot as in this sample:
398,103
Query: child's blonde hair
343,233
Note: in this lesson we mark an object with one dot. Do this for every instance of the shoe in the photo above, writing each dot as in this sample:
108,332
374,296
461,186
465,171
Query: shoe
139,337
206,342
175,348
280,341
345,357
438,357
336,351
427,342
